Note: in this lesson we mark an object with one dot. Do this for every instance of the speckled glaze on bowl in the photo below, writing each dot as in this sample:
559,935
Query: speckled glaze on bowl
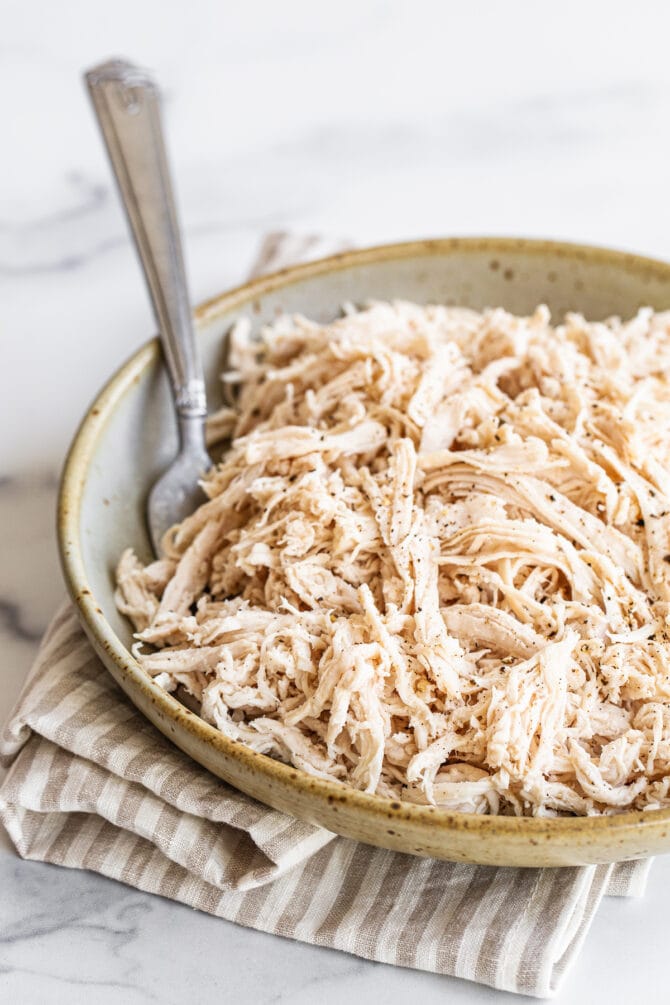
128,436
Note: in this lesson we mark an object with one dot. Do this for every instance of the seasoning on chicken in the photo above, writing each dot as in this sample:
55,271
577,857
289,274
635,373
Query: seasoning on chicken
435,559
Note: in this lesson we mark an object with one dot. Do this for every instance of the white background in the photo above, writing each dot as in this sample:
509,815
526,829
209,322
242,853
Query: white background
367,120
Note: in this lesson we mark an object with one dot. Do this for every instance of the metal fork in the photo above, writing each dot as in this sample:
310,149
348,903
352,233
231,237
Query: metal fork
127,105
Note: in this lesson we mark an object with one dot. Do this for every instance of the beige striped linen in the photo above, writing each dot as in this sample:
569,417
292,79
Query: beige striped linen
92,785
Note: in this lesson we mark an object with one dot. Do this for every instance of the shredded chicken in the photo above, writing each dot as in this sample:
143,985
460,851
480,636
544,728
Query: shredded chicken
434,562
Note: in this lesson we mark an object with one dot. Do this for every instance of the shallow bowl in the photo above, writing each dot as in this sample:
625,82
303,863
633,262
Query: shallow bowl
128,437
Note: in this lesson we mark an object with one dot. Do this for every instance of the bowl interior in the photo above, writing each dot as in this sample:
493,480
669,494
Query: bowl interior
129,437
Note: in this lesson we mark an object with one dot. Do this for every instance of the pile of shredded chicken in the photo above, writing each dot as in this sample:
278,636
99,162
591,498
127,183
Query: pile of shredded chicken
434,562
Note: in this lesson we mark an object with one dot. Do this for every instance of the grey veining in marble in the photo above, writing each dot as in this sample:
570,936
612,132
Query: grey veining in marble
378,120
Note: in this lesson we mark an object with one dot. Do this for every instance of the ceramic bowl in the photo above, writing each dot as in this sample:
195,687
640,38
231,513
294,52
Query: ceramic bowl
128,437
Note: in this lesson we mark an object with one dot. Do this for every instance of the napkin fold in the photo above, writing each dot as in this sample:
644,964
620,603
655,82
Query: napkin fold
93,785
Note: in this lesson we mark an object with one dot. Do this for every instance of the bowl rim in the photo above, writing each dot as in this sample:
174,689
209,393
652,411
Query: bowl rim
108,644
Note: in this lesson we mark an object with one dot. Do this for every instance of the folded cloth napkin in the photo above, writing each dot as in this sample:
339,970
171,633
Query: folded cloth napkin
92,785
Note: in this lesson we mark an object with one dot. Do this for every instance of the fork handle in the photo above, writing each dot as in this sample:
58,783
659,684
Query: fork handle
127,105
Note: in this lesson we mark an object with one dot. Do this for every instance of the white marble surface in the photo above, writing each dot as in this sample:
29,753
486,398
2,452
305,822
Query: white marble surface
375,120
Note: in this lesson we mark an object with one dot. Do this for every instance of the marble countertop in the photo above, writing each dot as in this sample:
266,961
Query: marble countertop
374,121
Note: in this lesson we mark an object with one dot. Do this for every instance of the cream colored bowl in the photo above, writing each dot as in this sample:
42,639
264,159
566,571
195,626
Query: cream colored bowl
128,437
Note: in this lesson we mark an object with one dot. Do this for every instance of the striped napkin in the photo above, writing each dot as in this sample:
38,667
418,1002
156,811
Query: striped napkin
92,785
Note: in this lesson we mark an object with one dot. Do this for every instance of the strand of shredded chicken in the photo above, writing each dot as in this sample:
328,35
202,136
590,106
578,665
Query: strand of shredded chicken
434,562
